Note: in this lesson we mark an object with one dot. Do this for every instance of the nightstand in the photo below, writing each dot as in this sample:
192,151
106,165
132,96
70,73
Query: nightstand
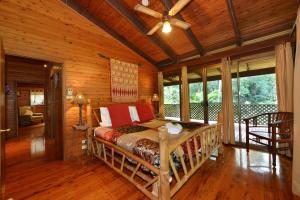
81,134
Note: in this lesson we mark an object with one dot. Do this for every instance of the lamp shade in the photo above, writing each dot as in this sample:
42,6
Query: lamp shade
155,97
79,99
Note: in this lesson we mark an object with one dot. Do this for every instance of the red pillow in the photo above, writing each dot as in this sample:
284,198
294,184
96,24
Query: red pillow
145,112
119,114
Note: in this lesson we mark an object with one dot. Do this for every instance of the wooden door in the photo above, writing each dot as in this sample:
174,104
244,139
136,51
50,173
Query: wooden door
2,119
54,106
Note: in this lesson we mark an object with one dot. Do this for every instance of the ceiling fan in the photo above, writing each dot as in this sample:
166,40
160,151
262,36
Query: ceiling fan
167,18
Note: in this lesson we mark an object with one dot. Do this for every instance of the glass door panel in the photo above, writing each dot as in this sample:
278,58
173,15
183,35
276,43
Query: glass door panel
196,101
172,91
196,95
258,95
254,91
214,93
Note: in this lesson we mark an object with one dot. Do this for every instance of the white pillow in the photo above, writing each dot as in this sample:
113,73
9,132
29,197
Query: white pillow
105,117
133,114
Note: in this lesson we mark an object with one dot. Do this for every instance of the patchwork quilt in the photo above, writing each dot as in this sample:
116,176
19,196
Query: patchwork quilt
142,139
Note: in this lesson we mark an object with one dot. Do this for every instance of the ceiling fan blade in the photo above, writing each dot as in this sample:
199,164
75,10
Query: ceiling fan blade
178,6
179,23
148,11
155,28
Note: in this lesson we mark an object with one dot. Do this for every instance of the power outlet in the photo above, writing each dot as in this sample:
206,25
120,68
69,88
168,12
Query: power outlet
84,147
83,141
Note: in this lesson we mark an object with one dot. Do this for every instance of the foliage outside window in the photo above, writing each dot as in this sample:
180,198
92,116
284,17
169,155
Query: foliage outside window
256,89
196,92
214,91
37,97
171,94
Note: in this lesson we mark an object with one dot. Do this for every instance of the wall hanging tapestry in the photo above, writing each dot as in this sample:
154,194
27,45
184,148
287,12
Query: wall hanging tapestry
124,81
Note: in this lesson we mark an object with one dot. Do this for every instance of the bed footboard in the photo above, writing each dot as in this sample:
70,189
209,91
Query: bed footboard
191,151
178,160
126,164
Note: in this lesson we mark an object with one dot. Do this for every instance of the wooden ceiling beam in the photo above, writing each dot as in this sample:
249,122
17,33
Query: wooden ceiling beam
281,30
237,33
83,12
251,49
189,33
119,6
165,62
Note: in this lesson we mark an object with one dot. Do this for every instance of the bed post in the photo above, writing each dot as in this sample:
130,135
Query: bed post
164,187
90,124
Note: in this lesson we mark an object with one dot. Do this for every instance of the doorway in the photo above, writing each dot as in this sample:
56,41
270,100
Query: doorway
34,114
205,94
254,91
31,109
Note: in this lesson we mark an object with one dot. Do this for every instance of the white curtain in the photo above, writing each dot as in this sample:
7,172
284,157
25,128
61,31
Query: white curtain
296,154
161,94
284,81
284,76
185,105
227,102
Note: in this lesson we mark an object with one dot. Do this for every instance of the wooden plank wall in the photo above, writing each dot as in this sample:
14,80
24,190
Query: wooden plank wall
48,30
20,70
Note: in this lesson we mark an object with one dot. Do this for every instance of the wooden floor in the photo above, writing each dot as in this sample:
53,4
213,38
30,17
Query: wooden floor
32,173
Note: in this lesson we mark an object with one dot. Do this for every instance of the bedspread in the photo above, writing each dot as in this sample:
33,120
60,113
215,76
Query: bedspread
143,141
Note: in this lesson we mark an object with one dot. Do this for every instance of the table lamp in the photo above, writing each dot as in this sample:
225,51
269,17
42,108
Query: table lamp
155,100
80,100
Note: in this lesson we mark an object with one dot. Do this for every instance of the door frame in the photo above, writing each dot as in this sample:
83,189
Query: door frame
3,129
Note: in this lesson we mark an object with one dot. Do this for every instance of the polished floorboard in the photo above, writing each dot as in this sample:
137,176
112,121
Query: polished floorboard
33,173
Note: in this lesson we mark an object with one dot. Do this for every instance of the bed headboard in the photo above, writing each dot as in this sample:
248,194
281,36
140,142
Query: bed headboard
93,111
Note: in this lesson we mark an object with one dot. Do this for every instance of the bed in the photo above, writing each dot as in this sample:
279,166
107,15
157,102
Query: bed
146,154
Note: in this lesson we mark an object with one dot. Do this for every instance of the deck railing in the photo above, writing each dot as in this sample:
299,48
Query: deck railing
197,111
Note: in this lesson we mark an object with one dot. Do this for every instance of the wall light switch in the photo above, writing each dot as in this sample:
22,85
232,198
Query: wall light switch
69,93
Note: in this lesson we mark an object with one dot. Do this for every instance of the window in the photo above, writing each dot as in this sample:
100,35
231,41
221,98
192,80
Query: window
172,101
172,96
37,97
196,101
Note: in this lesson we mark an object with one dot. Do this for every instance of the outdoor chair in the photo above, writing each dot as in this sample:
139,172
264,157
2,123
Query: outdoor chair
271,130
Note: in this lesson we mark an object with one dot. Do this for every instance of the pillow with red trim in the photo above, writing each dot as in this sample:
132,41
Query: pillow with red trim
145,112
119,114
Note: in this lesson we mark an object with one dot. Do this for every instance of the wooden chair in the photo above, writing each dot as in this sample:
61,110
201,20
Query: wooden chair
270,129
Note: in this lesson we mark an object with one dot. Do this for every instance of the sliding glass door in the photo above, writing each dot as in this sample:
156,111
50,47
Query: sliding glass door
214,93
254,91
196,97
205,93
172,98
196,101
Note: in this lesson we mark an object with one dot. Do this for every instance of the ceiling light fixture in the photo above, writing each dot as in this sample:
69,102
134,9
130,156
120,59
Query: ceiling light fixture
167,28
145,2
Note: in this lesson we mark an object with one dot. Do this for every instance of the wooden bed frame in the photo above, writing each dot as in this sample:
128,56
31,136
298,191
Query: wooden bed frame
157,187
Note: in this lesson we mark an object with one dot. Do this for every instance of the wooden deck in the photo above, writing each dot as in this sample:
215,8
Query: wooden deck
32,173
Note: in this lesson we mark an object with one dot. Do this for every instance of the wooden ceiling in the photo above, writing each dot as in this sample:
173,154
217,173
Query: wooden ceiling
215,24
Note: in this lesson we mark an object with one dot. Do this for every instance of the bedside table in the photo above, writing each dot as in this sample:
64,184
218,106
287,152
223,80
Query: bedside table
81,134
